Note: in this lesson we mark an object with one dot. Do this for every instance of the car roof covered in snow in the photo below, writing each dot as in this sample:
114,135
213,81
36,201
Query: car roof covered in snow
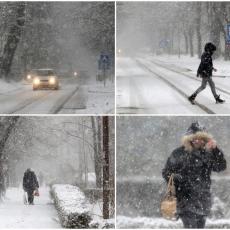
42,69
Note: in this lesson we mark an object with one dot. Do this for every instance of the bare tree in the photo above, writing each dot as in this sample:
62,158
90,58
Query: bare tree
97,155
198,28
106,189
7,125
13,39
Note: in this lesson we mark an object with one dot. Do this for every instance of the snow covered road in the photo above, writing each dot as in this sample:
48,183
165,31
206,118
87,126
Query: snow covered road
146,87
14,214
71,98
25,100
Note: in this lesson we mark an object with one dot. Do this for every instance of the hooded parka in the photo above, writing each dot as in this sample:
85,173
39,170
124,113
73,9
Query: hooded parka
192,168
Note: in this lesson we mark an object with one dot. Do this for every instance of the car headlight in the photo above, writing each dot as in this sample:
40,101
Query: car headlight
28,76
36,81
52,80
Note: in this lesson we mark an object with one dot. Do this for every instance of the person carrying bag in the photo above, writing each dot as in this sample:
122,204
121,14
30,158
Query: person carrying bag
192,165
30,185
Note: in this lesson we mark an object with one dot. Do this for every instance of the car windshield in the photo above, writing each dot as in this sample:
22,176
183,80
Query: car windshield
44,72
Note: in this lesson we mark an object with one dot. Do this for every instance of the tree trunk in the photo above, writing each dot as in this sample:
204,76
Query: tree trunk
99,149
190,38
106,192
12,122
198,26
13,40
215,28
186,42
84,155
224,32
97,157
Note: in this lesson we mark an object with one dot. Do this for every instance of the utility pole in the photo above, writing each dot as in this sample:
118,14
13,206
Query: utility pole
106,191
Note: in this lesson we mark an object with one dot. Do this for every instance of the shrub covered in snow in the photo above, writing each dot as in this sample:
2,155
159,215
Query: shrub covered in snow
72,206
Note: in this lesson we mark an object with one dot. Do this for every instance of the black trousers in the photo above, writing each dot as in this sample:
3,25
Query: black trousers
30,196
192,220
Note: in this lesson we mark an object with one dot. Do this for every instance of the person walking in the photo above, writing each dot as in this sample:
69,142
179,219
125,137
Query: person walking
205,72
30,184
192,165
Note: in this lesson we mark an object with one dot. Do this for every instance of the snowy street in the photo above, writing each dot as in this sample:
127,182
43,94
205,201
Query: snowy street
14,214
71,98
148,85
55,69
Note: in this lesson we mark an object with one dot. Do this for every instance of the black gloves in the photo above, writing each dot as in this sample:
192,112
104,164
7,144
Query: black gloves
177,178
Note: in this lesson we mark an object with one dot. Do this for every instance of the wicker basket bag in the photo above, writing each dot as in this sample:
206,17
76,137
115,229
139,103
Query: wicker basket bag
169,202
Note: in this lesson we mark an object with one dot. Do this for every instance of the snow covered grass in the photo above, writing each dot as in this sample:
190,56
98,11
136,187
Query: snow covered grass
98,221
7,87
72,206
100,98
146,222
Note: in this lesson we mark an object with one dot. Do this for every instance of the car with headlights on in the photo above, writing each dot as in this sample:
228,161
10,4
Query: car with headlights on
29,76
45,79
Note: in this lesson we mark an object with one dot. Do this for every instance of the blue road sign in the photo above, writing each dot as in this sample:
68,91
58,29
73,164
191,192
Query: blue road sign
104,62
164,43
228,34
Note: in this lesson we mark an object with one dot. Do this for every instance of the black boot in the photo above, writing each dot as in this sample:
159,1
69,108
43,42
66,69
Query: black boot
218,100
192,99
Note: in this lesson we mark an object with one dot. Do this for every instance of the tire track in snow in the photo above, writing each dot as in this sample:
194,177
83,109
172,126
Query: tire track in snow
61,104
26,103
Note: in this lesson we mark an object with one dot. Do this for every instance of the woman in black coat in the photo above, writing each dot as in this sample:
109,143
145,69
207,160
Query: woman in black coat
205,72
192,165
30,184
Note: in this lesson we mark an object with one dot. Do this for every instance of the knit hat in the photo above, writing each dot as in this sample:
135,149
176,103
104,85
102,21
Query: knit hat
194,128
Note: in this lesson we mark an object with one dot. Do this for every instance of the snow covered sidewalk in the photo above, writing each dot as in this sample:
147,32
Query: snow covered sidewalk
14,214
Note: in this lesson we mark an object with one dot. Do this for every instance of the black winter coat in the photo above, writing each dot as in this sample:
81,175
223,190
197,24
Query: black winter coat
206,66
30,182
192,180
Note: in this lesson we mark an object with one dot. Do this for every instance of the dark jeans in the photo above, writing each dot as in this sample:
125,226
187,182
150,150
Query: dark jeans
30,197
192,220
206,80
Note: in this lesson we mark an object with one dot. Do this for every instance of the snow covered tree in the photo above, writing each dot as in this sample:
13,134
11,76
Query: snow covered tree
7,124
13,38
161,25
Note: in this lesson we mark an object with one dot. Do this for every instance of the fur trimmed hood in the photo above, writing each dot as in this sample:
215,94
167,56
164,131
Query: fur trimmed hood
186,140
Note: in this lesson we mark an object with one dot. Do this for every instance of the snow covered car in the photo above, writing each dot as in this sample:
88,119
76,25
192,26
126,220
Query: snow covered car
45,78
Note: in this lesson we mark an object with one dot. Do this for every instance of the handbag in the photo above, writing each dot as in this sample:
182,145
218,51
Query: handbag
36,193
169,202
25,198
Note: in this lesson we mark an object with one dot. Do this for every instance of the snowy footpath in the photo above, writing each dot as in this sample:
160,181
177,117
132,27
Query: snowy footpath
14,214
